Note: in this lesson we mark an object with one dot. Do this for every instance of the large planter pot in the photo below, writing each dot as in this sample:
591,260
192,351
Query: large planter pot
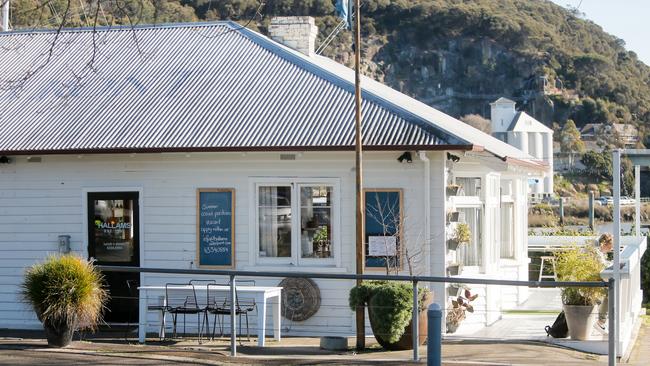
580,319
59,334
406,341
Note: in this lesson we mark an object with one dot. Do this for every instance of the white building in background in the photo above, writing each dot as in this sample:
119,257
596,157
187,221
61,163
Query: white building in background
527,134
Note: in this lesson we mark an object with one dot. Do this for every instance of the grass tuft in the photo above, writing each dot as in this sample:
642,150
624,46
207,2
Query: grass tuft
66,289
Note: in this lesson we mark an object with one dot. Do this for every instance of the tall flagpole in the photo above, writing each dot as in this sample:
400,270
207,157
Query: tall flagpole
361,326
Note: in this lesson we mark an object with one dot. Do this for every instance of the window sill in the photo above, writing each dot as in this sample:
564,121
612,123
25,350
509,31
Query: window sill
289,268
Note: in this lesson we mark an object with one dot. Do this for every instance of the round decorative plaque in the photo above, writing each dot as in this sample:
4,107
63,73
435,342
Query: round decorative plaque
300,298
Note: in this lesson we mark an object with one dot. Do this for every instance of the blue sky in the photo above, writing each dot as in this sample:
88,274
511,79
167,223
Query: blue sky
626,19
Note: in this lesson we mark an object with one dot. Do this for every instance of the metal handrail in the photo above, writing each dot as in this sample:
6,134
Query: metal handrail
413,279
342,276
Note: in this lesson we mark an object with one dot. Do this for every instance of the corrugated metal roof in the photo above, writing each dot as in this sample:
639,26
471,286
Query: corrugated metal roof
195,87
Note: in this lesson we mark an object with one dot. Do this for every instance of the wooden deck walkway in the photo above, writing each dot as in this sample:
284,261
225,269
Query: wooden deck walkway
527,322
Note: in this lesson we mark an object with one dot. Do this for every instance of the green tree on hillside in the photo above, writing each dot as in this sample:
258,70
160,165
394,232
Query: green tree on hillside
570,142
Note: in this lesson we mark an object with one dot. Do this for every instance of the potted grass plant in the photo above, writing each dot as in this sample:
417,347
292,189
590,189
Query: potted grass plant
390,309
580,264
66,293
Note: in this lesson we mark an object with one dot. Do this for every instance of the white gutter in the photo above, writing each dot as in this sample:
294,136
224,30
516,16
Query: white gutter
427,209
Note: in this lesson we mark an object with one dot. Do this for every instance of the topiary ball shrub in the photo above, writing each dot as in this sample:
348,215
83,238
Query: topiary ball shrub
390,306
66,293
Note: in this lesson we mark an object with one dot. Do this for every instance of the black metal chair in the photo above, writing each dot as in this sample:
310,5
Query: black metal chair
185,305
242,308
204,307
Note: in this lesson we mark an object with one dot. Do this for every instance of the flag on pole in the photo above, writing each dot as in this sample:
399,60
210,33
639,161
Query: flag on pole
343,10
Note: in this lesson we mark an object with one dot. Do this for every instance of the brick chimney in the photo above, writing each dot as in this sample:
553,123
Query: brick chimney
298,33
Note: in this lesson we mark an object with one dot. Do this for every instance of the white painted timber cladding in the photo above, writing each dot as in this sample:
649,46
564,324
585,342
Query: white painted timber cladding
40,201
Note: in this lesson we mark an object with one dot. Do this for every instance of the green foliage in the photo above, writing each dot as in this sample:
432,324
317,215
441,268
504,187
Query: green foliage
462,234
598,164
580,264
542,209
564,232
65,289
392,303
570,141
321,234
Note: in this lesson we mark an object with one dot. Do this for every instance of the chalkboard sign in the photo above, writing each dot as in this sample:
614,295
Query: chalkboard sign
215,236
383,227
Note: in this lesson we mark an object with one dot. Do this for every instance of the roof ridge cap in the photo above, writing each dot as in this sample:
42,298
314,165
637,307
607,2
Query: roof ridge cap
121,27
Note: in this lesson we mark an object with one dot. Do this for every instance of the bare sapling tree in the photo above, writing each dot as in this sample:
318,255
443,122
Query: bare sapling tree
398,246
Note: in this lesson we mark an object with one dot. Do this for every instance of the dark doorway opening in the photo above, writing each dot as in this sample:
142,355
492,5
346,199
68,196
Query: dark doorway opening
114,239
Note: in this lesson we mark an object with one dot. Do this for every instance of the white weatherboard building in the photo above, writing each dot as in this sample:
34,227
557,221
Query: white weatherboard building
528,134
129,157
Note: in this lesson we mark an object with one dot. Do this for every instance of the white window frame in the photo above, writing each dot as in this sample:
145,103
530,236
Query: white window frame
296,259
477,202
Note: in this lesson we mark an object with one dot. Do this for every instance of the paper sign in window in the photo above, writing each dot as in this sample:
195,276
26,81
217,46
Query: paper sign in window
381,246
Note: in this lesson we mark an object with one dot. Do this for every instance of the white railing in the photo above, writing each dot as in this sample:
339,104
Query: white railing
631,295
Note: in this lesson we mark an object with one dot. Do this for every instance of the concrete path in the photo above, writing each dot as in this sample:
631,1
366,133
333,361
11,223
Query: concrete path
640,355
291,351
28,348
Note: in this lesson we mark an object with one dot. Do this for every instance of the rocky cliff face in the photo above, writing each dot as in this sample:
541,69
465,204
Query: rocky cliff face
458,76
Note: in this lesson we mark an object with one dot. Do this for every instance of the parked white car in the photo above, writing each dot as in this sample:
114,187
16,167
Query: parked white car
609,200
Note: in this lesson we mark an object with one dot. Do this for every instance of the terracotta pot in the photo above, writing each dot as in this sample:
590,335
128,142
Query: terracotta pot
59,334
406,341
580,319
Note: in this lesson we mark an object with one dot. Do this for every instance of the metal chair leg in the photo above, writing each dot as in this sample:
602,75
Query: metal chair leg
174,318
162,324
248,332
221,325
214,325
198,324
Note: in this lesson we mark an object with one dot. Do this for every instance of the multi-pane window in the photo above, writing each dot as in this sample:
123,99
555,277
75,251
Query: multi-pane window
295,221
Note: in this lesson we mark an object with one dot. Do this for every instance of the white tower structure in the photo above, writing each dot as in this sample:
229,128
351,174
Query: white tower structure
527,134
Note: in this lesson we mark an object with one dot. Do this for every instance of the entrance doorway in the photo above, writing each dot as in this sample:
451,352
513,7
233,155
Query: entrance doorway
114,239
